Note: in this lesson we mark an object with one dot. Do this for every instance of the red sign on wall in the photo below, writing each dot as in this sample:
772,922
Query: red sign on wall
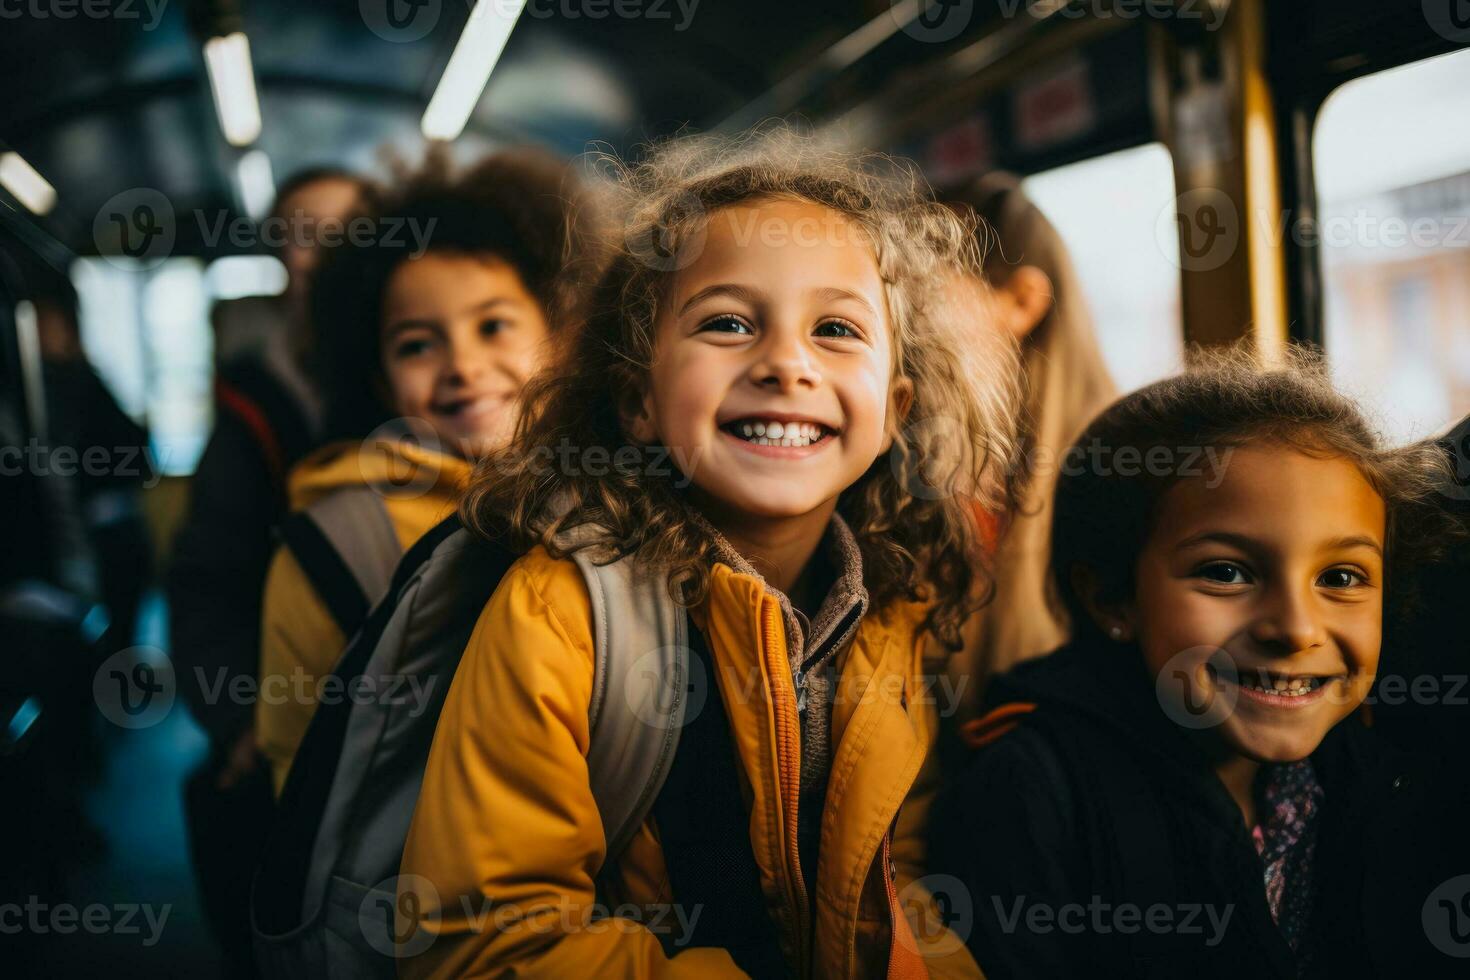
1055,107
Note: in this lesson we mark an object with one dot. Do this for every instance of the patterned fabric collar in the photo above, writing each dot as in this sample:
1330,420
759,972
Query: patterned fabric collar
1288,801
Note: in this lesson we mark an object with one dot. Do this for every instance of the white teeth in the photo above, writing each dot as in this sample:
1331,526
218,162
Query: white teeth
761,441
1281,687
797,434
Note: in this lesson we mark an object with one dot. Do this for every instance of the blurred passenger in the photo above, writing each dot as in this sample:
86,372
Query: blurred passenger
1037,298
45,534
424,355
49,582
267,417
112,454
244,329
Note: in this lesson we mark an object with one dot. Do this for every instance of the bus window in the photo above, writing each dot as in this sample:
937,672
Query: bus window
146,331
1108,209
1393,186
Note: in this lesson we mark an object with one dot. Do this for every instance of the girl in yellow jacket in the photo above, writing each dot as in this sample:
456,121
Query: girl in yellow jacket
763,406
436,310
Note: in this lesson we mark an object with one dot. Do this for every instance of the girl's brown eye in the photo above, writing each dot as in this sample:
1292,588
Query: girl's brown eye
1340,578
1224,573
491,327
835,328
726,324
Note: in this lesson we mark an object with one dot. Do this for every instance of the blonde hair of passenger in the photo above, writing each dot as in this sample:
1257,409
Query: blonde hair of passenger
1066,384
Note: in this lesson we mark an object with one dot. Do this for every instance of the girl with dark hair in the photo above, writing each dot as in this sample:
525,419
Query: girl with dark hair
1190,787
444,300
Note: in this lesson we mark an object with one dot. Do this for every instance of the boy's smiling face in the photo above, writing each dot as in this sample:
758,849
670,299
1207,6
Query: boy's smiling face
1265,596
773,361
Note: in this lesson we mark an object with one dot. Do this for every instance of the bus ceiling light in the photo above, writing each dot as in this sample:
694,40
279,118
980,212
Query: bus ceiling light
257,183
469,68
232,80
28,186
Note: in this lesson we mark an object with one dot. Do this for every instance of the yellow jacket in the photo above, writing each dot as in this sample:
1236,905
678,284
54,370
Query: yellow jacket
506,839
299,640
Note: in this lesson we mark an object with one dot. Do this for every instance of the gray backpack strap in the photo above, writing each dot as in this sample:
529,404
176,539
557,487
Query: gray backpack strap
639,691
327,874
356,523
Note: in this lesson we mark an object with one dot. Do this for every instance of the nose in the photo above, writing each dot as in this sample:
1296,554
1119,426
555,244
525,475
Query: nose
1289,621
784,362
465,363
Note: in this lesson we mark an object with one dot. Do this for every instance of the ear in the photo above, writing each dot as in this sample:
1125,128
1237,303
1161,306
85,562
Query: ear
900,401
635,412
1024,301
1113,619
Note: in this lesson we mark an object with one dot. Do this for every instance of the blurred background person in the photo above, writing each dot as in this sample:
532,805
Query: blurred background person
267,417
52,580
1036,298
114,462
424,353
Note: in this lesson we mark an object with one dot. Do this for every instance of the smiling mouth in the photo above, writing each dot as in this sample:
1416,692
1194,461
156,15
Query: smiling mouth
772,432
1273,684
469,408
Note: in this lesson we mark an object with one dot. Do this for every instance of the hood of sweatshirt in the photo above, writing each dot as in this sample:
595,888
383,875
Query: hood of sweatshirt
400,468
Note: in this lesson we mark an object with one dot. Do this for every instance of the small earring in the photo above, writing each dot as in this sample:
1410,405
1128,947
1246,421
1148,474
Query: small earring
1116,632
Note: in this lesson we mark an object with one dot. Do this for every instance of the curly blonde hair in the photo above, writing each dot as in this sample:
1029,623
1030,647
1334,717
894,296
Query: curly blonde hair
912,513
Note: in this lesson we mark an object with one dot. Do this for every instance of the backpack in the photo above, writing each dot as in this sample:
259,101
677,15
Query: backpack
324,895
347,547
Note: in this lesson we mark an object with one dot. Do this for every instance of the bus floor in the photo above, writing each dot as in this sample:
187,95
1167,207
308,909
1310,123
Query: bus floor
123,901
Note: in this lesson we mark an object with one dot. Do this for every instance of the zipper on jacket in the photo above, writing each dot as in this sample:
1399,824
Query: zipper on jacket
800,674
788,751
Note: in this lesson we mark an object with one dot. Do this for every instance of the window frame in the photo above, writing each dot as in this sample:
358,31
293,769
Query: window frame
1314,48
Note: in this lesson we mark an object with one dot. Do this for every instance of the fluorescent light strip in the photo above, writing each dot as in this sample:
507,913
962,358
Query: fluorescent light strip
232,80
257,183
22,180
469,68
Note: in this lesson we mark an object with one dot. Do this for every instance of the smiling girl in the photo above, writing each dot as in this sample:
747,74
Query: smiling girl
766,325
1196,757
426,353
